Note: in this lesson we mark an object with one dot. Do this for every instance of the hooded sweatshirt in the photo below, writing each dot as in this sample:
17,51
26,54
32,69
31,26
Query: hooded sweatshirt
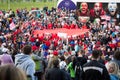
26,63
6,59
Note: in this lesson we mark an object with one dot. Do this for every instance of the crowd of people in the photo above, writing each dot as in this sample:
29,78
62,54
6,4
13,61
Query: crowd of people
94,55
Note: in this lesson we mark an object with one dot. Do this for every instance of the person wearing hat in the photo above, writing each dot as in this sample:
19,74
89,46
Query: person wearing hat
52,57
63,66
5,58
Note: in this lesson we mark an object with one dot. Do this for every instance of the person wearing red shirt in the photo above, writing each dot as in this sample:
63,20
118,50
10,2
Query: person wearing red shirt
72,26
32,38
112,45
65,25
34,47
50,25
47,43
55,43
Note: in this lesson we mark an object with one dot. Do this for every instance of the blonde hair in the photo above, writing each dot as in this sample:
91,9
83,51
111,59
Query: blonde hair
113,68
11,72
50,61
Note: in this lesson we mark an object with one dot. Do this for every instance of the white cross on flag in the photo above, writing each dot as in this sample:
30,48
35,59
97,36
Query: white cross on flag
12,26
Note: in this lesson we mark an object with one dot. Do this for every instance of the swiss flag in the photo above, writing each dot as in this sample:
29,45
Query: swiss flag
12,26
1,13
33,23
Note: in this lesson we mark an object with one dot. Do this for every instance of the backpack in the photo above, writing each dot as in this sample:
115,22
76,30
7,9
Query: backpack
78,70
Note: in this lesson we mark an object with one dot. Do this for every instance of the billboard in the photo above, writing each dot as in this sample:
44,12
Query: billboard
92,2
105,10
103,1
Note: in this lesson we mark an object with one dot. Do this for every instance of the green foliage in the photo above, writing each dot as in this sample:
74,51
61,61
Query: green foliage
34,0
44,0
28,5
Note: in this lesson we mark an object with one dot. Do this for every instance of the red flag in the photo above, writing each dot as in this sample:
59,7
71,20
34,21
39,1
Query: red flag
1,13
12,26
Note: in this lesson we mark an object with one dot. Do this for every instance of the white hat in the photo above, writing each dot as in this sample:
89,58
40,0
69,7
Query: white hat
4,50
3,44
62,65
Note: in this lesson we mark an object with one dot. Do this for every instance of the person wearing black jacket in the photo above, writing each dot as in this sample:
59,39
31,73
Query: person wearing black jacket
80,61
55,73
81,57
94,70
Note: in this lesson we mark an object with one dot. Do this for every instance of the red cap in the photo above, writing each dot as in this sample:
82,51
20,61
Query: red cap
34,48
55,53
